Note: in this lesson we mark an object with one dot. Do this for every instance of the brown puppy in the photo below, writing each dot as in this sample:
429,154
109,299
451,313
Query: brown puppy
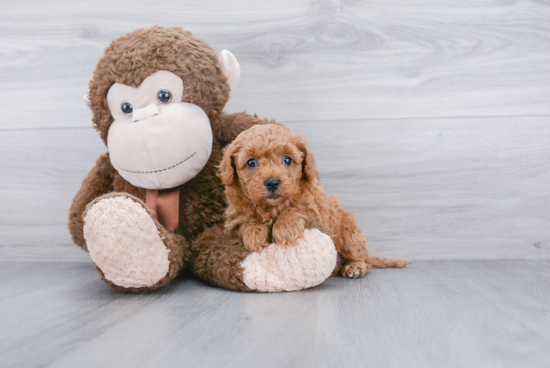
274,194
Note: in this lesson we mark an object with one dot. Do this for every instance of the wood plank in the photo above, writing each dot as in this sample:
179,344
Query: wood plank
420,188
301,60
42,171
430,314
441,188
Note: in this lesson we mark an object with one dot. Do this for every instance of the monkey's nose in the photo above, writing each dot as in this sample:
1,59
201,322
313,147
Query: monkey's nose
146,112
272,184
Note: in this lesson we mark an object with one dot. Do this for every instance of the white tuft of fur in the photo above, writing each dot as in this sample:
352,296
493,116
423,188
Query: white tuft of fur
125,243
290,268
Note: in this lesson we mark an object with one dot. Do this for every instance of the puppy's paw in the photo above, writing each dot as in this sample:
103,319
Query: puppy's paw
355,269
337,269
288,233
256,238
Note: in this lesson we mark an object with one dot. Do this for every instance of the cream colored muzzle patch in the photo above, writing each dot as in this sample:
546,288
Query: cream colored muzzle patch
159,145
145,113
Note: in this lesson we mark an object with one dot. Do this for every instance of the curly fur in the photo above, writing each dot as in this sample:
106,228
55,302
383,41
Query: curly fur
132,58
129,60
261,216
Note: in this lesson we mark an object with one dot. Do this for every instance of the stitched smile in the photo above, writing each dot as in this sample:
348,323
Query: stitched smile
155,171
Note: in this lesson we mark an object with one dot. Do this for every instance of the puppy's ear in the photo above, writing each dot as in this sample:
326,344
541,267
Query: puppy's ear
309,167
228,170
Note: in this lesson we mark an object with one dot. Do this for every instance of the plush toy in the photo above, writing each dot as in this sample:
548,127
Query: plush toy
153,205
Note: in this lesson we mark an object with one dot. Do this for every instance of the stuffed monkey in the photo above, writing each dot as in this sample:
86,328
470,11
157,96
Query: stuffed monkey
153,204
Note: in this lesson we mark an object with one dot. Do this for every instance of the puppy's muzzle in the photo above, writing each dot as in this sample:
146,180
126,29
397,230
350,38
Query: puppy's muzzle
272,184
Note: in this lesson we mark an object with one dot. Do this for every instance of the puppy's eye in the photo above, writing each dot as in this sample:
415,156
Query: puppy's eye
287,161
251,163
164,96
127,108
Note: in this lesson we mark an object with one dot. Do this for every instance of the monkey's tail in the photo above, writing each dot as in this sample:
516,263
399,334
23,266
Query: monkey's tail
377,262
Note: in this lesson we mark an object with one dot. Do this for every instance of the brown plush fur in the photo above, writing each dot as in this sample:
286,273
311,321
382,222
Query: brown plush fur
132,58
218,258
129,60
261,216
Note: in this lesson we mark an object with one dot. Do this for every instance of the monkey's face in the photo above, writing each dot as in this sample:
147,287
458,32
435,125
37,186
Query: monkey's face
156,141
155,95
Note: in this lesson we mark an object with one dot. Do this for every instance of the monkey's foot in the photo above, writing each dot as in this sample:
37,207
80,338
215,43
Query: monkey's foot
129,247
292,267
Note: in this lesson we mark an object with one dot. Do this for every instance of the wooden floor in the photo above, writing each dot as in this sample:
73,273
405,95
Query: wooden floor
431,314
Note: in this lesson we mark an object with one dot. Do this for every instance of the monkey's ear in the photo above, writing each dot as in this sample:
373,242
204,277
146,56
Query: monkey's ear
230,67
228,170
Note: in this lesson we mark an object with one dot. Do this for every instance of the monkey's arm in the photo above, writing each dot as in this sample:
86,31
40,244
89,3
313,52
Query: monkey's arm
98,182
231,125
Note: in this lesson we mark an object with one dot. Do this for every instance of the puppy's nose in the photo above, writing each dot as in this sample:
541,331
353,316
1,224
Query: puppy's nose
272,184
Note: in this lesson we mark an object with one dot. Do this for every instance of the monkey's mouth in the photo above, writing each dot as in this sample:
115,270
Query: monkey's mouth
156,171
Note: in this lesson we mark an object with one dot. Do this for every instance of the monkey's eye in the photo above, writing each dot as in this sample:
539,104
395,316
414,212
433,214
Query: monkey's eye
127,108
287,161
251,163
164,96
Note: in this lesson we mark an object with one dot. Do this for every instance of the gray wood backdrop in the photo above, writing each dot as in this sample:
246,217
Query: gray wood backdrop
430,119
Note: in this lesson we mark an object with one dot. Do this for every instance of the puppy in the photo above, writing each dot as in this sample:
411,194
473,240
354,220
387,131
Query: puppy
274,194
